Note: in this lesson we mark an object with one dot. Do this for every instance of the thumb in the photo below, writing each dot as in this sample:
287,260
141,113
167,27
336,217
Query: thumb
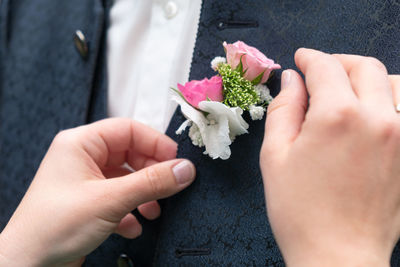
157,181
286,112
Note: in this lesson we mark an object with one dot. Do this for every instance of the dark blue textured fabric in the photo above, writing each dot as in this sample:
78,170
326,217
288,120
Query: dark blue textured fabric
224,209
45,86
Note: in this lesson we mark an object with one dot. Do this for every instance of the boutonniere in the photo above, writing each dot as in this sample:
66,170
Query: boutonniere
214,107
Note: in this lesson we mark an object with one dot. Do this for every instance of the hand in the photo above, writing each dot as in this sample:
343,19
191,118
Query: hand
331,164
71,207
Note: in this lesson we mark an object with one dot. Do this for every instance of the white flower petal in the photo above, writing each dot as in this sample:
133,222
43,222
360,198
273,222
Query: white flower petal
217,130
216,139
183,126
229,123
237,125
191,113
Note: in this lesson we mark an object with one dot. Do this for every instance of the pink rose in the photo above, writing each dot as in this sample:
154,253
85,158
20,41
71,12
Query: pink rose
253,60
197,91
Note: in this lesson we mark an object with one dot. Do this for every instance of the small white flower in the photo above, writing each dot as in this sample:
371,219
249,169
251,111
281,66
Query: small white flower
256,112
216,61
263,92
195,136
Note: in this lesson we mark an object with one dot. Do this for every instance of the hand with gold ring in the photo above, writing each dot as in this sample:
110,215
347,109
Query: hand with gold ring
331,162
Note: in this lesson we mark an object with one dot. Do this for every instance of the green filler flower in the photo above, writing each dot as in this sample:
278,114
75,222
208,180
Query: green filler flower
238,92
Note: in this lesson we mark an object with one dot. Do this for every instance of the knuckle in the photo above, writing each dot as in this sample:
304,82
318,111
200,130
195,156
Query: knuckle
376,62
265,158
342,116
272,155
324,62
155,181
387,129
327,60
265,151
64,137
347,111
270,146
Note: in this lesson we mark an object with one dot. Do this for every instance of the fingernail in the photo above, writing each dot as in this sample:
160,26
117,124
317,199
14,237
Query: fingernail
285,79
184,172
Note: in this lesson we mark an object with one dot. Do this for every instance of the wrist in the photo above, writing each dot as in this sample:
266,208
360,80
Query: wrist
334,260
340,254
4,261
12,254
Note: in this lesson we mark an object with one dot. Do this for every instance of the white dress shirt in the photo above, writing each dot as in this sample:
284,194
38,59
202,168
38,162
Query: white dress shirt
149,49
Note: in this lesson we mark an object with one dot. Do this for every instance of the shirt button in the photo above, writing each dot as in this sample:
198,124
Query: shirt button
81,44
170,9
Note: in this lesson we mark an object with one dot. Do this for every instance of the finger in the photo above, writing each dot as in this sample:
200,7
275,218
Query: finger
155,182
115,172
395,84
369,80
326,80
138,161
108,141
129,227
150,210
286,112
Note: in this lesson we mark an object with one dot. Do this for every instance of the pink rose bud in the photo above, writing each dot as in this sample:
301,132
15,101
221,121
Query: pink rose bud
197,91
253,60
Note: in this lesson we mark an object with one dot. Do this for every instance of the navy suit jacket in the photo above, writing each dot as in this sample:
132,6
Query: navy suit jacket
46,86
